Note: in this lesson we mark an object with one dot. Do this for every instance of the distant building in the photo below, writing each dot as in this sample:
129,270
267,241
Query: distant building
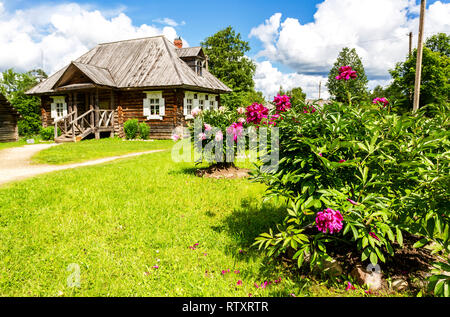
8,121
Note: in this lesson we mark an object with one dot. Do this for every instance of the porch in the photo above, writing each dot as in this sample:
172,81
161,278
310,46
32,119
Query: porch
89,112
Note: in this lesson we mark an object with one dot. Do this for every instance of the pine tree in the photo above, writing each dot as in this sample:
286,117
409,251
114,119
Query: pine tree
357,87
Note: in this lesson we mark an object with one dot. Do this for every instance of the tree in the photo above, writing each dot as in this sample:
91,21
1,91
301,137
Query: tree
434,87
14,85
357,87
227,61
297,95
439,43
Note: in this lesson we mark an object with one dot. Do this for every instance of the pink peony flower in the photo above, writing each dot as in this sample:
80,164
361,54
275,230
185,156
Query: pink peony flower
329,220
195,112
283,103
207,127
350,287
219,136
381,101
202,136
256,112
155,266
239,282
346,72
241,120
222,108
235,129
241,110
175,137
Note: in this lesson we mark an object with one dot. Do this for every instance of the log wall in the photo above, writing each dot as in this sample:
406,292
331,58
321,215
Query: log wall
8,122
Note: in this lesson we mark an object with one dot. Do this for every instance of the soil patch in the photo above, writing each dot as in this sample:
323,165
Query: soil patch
222,172
408,263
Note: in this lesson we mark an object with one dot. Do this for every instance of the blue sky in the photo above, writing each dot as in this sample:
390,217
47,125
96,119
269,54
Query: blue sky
290,45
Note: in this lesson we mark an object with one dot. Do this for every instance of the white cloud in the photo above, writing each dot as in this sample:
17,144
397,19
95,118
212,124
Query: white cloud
169,22
376,29
268,79
55,35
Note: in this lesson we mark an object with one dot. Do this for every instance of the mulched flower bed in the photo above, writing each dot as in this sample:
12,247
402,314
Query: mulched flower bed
218,172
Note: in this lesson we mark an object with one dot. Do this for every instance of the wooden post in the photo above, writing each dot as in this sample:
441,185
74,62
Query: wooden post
419,57
410,43
91,107
97,133
111,106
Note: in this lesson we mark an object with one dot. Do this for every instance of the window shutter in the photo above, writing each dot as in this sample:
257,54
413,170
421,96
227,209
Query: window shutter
146,107
53,110
185,107
162,107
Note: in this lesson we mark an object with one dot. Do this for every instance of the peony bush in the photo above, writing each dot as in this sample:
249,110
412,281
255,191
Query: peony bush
359,178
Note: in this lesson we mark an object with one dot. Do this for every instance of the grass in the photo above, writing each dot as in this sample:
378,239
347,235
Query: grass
116,221
95,149
7,145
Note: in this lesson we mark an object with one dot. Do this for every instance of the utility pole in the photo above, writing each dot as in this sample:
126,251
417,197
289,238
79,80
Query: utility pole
410,43
419,57
320,86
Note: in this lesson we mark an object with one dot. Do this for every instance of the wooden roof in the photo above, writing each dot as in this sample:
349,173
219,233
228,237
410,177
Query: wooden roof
190,52
152,62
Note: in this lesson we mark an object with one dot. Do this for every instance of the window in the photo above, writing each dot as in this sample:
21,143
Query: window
154,105
190,100
58,107
202,101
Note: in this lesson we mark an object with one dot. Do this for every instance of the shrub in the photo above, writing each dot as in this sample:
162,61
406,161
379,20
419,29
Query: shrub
131,128
144,131
386,174
48,133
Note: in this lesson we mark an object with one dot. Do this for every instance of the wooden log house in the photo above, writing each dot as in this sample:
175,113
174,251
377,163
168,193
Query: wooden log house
8,121
150,79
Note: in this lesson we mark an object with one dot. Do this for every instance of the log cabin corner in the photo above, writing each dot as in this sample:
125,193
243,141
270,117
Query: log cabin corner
9,116
150,79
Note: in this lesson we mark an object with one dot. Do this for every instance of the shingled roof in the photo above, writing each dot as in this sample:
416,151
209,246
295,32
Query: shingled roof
152,62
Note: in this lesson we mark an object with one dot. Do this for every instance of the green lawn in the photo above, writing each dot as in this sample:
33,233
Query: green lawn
95,149
7,145
116,221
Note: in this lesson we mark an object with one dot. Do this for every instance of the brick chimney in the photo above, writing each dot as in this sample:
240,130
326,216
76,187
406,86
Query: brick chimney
178,42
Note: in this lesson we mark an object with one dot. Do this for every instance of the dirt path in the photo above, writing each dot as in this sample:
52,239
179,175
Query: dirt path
15,163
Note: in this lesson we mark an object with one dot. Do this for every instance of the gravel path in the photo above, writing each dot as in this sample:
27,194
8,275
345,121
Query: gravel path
15,163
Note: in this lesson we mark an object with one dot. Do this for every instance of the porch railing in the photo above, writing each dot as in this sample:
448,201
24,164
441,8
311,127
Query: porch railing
92,121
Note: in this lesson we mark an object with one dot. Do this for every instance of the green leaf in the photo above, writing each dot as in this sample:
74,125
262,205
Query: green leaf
373,258
399,237
420,243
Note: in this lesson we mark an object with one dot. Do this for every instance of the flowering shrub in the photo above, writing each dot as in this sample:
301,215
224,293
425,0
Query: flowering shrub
386,174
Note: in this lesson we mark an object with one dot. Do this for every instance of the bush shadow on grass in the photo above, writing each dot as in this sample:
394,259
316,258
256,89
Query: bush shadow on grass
183,171
248,222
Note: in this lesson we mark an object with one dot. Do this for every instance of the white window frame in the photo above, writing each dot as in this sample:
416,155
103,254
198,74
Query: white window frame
209,104
58,101
188,95
147,105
